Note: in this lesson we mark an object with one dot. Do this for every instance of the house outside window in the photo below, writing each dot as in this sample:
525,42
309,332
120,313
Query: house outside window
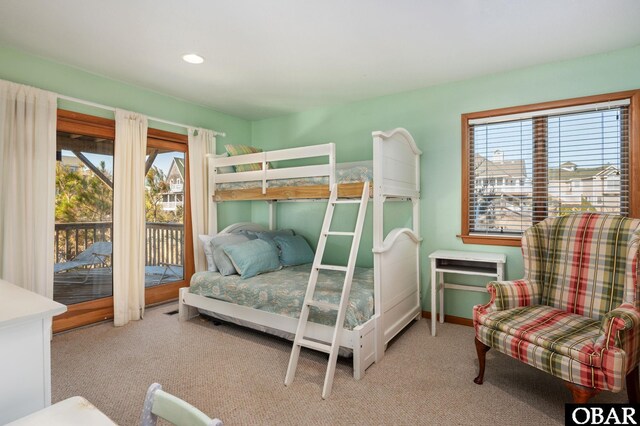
173,199
564,157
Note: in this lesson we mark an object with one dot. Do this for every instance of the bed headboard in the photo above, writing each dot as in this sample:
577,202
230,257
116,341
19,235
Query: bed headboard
396,164
242,226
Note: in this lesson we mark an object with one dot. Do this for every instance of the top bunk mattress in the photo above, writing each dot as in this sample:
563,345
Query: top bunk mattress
282,292
359,171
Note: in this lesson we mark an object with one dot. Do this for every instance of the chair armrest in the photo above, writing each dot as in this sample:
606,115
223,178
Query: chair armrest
513,294
620,331
621,321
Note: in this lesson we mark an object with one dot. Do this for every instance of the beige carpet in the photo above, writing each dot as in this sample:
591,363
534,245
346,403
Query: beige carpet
237,375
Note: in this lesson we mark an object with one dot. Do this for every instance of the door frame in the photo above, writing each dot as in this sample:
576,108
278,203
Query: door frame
97,310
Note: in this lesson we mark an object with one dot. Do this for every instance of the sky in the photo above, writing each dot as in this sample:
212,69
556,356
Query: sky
163,161
588,139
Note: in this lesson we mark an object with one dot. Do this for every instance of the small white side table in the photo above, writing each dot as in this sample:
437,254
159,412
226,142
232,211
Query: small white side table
461,262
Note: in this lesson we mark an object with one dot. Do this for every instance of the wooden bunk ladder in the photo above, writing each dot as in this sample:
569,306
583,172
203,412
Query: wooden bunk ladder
328,347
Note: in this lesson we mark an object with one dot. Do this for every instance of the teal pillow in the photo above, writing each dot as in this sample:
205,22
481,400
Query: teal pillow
294,250
269,235
221,260
253,257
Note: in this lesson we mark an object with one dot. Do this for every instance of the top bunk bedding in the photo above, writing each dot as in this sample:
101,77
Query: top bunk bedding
348,176
282,292
360,171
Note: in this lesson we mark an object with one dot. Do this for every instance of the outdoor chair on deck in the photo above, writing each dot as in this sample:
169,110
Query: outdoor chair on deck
166,272
159,403
97,254
576,313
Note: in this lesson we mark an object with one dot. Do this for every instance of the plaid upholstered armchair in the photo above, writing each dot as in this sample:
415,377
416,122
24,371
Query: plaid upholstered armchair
576,313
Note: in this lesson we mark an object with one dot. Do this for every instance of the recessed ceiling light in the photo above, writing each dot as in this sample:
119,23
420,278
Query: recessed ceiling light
192,58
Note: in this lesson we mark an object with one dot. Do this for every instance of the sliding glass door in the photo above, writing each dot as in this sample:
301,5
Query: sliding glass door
83,247
169,254
164,199
83,218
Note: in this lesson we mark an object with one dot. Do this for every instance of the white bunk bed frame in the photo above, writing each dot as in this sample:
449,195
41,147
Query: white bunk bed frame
396,175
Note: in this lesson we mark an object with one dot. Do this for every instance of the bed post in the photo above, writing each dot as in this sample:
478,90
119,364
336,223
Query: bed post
358,370
185,312
212,226
416,215
213,217
416,221
378,229
272,214
332,164
416,230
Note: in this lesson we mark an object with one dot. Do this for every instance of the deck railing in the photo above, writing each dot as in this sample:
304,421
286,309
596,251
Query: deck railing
73,238
164,241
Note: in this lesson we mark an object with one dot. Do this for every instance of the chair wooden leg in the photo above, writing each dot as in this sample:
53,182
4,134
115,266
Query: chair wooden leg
633,386
481,349
581,394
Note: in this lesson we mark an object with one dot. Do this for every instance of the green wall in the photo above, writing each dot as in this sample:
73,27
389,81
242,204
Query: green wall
432,115
34,71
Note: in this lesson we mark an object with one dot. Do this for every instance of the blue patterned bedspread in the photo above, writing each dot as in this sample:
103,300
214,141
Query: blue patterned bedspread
282,292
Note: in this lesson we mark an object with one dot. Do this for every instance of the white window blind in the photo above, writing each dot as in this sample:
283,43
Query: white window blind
527,167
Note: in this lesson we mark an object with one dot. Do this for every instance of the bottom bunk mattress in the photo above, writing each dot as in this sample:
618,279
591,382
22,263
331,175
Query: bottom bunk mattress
282,292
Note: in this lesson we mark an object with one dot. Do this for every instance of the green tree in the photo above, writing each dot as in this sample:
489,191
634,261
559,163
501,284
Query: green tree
81,196
178,214
585,206
156,186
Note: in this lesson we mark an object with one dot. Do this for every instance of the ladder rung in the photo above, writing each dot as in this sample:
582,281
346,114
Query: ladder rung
323,305
333,268
330,347
346,202
311,344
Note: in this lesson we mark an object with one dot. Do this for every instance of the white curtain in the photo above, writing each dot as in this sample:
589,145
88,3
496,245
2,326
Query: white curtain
27,191
201,143
129,216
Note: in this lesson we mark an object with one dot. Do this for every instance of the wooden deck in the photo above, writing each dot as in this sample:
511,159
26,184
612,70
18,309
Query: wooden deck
76,287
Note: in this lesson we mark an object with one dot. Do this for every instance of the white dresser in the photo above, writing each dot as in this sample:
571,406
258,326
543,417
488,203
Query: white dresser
25,351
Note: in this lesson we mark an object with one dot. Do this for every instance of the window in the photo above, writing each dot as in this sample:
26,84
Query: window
83,246
565,157
165,214
169,248
83,217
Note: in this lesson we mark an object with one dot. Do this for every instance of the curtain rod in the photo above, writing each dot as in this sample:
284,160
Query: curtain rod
109,108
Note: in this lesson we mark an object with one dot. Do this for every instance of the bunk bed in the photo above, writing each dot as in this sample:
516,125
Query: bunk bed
396,271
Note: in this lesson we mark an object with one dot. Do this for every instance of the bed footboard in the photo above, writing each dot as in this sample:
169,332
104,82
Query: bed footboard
397,285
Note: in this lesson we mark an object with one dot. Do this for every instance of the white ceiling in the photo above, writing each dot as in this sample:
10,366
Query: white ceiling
266,58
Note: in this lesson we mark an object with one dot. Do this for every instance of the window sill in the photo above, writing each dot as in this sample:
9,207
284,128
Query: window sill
490,240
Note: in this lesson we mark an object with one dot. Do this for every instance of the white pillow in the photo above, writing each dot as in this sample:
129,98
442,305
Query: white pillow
208,252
